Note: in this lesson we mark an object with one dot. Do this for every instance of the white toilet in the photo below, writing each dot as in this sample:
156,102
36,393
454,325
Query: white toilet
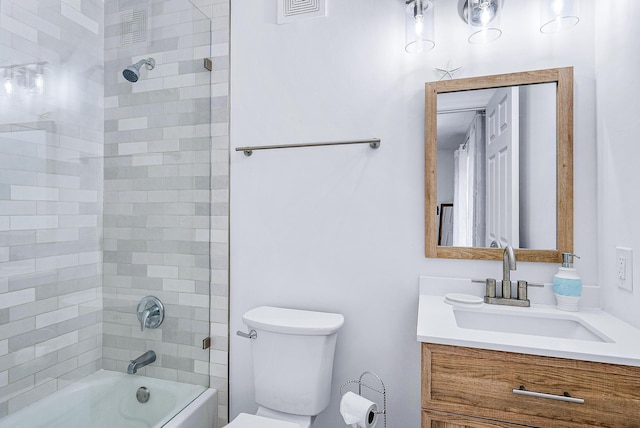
292,366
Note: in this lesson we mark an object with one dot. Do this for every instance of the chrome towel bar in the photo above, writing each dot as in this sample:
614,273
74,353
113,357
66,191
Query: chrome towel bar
374,143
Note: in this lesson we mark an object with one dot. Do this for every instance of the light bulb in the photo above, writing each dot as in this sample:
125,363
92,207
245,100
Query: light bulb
8,86
39,83
419,29
558,7
485,14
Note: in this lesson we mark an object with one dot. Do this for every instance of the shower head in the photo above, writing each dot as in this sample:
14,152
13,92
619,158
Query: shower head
132,73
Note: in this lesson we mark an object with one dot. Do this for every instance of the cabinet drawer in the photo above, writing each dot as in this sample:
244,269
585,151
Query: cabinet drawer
481,383
432,419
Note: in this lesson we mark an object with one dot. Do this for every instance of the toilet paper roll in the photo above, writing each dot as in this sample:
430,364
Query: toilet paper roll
357,411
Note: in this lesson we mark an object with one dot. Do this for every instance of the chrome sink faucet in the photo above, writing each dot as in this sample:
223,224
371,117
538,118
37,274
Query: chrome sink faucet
143,360
508,264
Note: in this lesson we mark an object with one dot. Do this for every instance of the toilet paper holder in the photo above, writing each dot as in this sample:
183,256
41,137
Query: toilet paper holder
381,390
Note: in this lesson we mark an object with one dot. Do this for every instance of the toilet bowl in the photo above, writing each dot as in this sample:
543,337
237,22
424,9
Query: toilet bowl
292,352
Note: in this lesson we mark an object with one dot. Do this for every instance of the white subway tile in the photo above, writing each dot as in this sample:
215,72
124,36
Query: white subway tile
4,347
179,81
152,82
15,268
78,221
90,257
178,285
54,317
56,344
162,271
56,235
132,123
34,222
15,298
132,148
89,356
56,262
194,300
78,297
78,195
32,193
79,18
151,159
56,181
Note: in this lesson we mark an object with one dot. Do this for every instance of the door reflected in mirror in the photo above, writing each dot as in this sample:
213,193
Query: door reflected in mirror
497,167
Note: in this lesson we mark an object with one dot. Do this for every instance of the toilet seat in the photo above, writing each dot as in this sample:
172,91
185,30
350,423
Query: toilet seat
245,420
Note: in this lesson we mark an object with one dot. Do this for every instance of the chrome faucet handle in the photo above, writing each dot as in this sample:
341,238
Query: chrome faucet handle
150,312
490,287
522,290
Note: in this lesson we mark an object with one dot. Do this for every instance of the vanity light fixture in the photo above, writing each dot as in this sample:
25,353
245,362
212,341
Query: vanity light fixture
22,79
558,15
483,19
419,26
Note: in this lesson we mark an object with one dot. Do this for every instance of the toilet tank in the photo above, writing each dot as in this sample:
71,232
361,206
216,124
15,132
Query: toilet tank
293,358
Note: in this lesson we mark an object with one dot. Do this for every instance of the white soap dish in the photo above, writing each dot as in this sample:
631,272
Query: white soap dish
458,299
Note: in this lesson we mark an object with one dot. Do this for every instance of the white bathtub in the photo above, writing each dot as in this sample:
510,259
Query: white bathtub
107,399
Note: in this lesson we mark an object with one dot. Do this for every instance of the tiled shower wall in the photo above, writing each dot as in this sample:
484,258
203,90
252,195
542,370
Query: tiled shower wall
157,180
166,191
50,197
51,181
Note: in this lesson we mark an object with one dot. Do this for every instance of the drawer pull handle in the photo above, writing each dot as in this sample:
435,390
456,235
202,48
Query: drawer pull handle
566,397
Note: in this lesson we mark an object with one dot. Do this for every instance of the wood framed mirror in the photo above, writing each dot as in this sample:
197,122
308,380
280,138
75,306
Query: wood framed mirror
507,204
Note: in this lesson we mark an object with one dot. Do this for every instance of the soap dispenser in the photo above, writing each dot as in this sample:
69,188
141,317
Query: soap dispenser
567,285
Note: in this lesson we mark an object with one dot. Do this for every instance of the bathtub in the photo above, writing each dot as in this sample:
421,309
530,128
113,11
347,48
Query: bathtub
107,399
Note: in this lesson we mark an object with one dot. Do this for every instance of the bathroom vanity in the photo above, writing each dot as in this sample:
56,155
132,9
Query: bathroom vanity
467,387
486,366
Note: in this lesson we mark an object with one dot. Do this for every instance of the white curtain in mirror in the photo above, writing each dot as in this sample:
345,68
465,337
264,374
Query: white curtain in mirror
463,206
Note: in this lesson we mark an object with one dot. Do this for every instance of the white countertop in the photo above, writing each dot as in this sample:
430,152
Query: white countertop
437,324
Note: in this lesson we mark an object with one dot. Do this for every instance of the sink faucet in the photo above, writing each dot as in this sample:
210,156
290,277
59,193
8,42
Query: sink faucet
508,264
143,360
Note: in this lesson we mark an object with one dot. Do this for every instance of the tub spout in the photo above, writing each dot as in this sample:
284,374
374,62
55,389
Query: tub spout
143,360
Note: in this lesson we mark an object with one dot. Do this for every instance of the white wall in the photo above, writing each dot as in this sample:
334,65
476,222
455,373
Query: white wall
341,228
617,63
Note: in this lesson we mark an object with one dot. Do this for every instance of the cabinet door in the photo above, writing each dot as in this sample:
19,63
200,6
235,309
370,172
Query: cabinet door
487,384
432,419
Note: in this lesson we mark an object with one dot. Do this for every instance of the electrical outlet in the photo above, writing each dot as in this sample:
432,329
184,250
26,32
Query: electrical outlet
624,268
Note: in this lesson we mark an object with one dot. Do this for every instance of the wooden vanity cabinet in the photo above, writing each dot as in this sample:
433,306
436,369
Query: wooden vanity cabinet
474,388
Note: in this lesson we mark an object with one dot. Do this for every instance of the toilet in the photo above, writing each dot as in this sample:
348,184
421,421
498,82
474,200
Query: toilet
292,366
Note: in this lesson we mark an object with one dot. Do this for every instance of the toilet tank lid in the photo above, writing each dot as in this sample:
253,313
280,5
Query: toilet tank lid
293,321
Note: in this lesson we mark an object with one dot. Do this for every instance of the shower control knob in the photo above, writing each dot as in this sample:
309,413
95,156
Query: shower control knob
150,312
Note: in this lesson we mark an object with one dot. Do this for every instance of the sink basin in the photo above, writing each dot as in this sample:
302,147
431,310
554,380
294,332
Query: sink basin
521,323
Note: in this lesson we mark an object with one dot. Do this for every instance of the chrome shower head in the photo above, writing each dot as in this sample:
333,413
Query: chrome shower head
132,73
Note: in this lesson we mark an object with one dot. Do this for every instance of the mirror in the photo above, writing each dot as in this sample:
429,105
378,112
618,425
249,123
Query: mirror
499,166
